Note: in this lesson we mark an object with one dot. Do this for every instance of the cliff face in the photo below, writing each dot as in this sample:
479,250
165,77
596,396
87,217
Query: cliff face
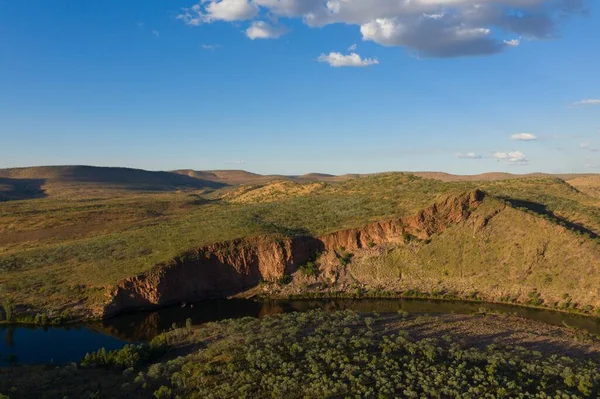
227,268
215,270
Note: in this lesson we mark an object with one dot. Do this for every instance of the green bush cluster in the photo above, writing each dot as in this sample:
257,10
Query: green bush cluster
128,356
346,355
284,280
309,269
534,299
345,257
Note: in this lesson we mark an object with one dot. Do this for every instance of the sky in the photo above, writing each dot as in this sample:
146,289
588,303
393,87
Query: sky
299,86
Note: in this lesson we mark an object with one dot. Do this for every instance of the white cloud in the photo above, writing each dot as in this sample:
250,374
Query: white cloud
589,147
513,42
524,137
208,11
588,101
434,28
352,48
432,37
351,60
156,33
211,47
511,157
264,30
468,155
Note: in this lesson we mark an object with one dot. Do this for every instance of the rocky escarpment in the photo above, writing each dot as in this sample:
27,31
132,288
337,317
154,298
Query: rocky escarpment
231,267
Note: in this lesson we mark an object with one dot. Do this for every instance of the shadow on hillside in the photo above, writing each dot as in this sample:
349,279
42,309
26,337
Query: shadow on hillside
542,210
21,189
267,227
549,341
134,179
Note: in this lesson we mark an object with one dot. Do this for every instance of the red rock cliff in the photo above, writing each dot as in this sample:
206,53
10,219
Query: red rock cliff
227,268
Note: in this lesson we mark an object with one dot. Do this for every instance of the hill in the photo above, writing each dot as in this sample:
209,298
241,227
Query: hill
241,177
64,180
70,252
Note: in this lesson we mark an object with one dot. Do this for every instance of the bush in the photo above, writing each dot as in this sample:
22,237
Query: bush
345,258
534,298
407,236
309,269
129,356
284,280
162,392
9,309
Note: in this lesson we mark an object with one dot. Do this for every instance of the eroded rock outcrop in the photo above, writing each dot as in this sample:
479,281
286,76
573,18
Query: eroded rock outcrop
223,269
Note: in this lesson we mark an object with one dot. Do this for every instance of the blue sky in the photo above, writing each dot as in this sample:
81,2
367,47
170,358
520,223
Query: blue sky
271,86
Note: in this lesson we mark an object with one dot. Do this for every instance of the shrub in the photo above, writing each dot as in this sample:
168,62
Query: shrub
534,298
9,308
284,280
129,356
309,269
163,392
407,236
345,258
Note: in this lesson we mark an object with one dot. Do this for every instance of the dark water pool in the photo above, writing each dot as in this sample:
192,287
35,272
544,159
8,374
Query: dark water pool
59,345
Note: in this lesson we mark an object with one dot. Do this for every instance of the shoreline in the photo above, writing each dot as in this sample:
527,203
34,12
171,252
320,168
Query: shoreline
85,321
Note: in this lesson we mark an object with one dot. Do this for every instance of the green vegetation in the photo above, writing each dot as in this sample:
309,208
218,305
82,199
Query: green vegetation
69,246
501,255
334,355
319,355
127,357
309,269
344,256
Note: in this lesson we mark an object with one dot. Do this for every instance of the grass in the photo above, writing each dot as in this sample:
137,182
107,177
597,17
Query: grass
62,252
517,257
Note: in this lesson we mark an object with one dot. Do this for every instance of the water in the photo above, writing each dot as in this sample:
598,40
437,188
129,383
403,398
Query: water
60,345
54,345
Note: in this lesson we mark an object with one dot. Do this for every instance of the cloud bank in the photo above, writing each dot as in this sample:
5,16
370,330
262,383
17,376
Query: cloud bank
429,28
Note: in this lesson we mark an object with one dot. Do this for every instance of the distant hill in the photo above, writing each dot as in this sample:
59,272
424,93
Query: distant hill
41,181
230,177
493,176
240,177
33,182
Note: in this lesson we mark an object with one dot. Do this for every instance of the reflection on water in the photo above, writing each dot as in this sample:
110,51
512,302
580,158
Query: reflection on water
61,345
144,326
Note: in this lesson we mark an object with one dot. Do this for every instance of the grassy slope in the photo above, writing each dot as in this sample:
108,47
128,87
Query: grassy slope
515,256
56,251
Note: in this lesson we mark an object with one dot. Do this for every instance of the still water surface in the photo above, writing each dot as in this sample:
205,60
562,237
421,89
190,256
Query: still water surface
60,345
